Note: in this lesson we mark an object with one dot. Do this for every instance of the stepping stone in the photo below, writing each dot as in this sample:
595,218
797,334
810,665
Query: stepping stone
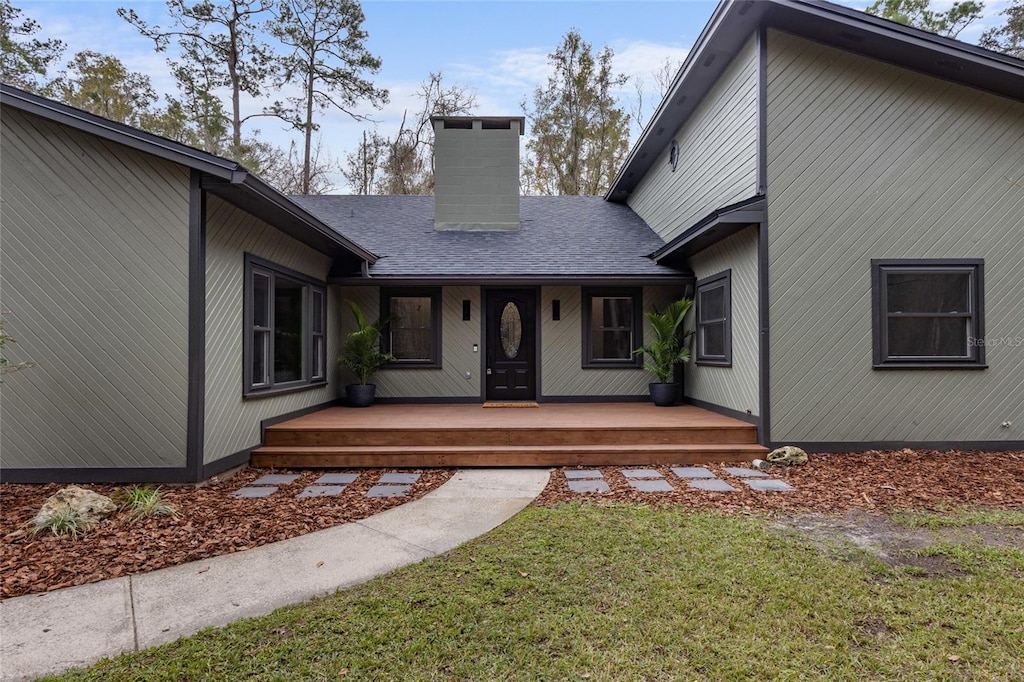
743,472
641,473
692,472
770,485
276,479
389,490
255,492
322,491
715,485
336,479
399,478
643,486
588,486
582,473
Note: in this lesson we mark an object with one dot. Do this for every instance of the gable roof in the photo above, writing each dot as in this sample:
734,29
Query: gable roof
734,21
222,177
563,237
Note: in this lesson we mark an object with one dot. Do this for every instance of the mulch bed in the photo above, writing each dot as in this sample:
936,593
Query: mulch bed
209,522
834,483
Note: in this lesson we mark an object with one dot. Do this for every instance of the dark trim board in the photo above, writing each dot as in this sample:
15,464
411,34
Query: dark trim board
233,460
724,411
941,445
195,437
594,399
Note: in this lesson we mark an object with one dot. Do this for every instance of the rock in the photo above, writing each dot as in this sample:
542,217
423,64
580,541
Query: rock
91,506
787,454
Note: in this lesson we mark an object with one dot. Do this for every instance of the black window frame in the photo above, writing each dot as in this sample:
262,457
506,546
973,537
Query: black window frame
701,356
637,330
882,267
254,265
434,293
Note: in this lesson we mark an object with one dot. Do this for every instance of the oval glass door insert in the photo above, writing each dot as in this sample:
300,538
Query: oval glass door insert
511,330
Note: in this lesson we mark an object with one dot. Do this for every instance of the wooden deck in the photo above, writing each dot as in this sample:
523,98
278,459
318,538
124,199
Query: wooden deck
554,434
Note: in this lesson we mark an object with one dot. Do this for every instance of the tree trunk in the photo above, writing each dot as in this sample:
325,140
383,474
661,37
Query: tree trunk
309,130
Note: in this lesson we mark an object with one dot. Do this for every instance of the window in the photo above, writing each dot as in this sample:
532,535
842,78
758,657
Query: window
714,320
612,327
413,332
928,313
285,341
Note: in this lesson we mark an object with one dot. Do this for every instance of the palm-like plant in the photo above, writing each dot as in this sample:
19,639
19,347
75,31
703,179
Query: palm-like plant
361,352
668,346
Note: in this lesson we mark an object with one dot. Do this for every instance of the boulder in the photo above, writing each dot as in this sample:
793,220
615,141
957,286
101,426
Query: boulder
91,506
787,454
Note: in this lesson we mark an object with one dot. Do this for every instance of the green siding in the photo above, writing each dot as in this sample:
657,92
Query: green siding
734,387
866,160
94,284
233,424
717,155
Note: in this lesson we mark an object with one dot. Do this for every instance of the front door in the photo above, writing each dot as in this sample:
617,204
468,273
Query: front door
511,344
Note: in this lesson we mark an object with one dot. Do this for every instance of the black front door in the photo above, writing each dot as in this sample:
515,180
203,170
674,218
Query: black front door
511,344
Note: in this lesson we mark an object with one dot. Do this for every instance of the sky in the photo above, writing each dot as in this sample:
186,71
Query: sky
496,49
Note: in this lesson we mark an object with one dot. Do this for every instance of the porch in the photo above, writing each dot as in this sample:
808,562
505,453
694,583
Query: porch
470,435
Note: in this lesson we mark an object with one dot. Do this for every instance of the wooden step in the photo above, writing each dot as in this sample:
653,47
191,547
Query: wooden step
502,455
494,437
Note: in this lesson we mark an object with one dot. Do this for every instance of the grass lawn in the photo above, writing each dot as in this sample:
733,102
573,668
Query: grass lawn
628,593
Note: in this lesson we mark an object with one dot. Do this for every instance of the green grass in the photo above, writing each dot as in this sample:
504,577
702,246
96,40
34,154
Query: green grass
957,518
979,559
621,593
144,503
63,521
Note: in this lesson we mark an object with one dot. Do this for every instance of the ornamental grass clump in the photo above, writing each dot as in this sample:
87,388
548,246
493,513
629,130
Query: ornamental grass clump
144,503
65,521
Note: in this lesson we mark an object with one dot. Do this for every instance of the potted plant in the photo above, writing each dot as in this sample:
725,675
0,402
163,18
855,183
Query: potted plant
363,356
667,348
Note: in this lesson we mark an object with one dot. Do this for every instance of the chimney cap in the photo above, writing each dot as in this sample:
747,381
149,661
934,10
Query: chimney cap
487,122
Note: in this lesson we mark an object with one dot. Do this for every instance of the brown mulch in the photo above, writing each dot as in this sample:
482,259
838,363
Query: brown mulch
834,483
209,522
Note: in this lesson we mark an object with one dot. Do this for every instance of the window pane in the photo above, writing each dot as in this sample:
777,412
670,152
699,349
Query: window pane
319,357
411,334
928,336
713,336
712,303
317,313
608,312
260,351
511,330
928,292
288,330
260,300
612,344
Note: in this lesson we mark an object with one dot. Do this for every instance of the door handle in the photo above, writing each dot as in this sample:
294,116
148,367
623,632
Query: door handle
489,371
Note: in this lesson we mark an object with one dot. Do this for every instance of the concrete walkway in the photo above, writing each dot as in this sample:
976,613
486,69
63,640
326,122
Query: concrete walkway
46,633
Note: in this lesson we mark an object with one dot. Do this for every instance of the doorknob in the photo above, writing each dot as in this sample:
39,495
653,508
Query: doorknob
488,371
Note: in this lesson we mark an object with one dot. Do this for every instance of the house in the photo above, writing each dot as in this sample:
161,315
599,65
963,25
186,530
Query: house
842,195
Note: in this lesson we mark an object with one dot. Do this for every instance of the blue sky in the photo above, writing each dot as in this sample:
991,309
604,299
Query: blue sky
497,49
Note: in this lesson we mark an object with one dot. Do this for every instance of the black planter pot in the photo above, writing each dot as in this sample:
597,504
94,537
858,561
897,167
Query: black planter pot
664,395
360,395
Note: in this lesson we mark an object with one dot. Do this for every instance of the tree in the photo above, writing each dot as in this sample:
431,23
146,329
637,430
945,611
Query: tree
663,77
362,165
101,84
24,59
580,136
328,61
219,48
1008,38
917,13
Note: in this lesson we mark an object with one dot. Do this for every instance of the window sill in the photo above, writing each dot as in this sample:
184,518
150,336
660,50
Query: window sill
929,365
713,363
257,393
413,365
612,365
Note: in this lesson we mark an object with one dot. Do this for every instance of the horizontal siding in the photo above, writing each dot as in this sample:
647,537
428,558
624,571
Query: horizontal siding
457,356
735,387
562,372
867,160
94,282
717,155
233,424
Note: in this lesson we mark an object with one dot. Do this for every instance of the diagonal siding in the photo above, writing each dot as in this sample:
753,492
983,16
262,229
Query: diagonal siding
734,387
562,348
94,274
457,356
233,424
717,155
869,161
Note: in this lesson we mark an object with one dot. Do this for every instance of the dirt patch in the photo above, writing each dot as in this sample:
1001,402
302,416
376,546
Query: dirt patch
895,545
210,522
